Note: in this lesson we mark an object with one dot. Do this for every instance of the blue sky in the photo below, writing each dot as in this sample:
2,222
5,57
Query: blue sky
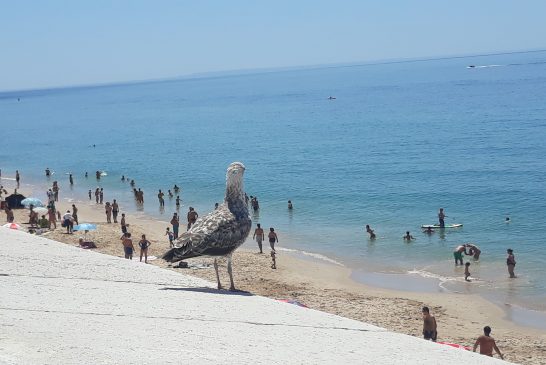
59,43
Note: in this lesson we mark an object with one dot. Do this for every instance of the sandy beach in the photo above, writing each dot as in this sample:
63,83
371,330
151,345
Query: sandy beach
322,286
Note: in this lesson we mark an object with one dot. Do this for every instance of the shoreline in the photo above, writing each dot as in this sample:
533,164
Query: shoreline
381,277
325,286
376,273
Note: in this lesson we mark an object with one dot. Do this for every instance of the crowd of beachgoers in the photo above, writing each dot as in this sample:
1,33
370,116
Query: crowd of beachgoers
48,216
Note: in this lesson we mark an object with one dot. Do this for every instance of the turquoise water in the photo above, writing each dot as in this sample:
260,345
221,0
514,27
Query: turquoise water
399,141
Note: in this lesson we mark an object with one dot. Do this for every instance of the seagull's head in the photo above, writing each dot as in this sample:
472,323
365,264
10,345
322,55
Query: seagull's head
235,173
234,178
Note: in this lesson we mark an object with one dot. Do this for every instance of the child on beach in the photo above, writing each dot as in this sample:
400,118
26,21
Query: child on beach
466,271
171,237
273,259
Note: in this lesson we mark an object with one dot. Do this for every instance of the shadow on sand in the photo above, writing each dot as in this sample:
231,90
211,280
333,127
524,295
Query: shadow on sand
212,291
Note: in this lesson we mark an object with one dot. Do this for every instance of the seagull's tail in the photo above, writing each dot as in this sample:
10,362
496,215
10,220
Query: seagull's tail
178,254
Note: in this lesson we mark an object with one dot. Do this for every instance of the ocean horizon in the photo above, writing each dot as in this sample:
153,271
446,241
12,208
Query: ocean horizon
399,141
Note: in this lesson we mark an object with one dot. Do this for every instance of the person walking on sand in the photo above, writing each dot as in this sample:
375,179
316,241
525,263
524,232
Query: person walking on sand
101,195
50,196
272,238
108,210
71,179
51,217
115,210
511,262
175,222
144,244
9,215
441,217
259,236
430,328
192,217
56,190
68,222
487,344
458,254
75,214
97,193
123,223
370,232
128,247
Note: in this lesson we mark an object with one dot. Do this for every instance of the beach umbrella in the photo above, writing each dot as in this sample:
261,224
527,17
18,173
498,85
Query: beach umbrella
12,226
40,210
32,201
14,200
85,227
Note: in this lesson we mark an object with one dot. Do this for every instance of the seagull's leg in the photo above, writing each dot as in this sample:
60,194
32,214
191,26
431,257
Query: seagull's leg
217,275
230,272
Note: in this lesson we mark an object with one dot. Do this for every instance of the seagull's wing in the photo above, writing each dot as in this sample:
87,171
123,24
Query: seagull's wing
216,234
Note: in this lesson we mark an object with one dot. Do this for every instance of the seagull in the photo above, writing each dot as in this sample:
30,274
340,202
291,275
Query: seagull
220,232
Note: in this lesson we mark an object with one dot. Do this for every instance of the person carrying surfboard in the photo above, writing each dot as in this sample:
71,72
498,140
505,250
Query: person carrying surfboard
441,217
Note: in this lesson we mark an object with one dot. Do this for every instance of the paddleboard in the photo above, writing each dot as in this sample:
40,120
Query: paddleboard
458,225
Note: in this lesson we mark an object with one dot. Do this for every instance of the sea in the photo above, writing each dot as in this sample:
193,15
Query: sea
385,144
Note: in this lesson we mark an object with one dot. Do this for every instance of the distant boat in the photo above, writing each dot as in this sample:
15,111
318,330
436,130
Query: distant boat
471,66
331,98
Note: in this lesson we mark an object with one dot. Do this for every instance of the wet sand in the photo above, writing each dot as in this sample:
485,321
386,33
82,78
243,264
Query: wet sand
323,286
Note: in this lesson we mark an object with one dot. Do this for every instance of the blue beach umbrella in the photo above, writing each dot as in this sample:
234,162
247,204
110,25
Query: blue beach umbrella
85,227
32,201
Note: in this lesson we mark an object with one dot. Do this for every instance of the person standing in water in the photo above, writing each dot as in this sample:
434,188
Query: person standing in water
290,206
441,218
17,177
511,262
272,238
467,271
408,237
370,232
160,197
71,179
458,254
259,236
